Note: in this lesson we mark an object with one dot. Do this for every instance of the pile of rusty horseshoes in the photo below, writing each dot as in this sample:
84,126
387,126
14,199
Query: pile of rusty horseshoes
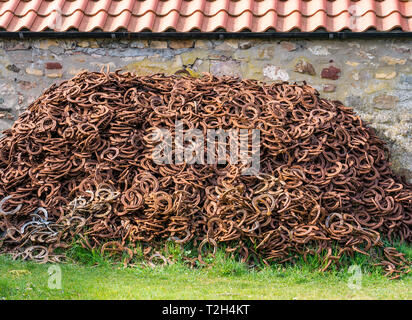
77,164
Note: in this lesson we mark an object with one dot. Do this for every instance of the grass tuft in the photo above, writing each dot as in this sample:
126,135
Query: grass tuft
90,275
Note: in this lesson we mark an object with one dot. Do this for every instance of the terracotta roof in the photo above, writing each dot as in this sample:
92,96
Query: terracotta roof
205,15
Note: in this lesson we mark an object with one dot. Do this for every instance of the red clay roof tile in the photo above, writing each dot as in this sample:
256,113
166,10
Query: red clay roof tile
205,15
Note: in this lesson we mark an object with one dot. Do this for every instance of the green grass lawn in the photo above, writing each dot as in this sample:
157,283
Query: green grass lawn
224,278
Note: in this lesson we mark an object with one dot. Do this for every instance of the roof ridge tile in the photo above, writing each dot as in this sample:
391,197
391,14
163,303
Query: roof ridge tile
206,15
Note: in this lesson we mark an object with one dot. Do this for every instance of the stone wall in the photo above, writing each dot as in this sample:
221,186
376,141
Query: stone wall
372,76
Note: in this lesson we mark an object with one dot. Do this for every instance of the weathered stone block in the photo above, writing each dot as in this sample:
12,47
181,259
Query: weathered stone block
332,73
392,61
243,45
275,73
16,45
140,44
13,68
265,53
305,67
156,44
225,68
204,44
88,44
385,75
45,44
289,46
352,63
189,57
54,73
329,88
53,65
319,50
34,72
385,102
181,44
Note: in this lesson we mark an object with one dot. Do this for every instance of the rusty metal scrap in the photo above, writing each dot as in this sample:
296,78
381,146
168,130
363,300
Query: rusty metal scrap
78,163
